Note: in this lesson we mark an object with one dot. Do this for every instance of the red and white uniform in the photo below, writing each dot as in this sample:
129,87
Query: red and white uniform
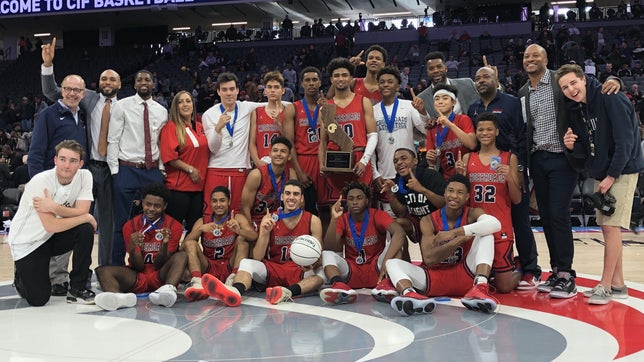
306,145
194,152
451,276
218,249
361,89
266,196
148,280
489,191
451,144
364,275
281,269
267,129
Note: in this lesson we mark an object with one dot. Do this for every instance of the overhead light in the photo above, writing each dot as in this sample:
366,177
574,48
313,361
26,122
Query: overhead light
41,35
564,2
233,23
181,28
393,14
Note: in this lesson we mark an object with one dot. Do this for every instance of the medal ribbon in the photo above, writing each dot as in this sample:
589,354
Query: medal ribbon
278,190
441,136
390,121
281,215
153,225
359,240
445,223
231,129
313,120
212,219
401,185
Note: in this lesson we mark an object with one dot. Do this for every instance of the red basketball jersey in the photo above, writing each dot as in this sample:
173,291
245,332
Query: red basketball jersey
307,139
351,120
375,239
282,237
361,89
489,191
266,196
153,240
218,247
267,129
461,252
450,144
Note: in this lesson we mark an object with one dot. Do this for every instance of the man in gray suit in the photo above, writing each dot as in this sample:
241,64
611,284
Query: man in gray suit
97,106
437,72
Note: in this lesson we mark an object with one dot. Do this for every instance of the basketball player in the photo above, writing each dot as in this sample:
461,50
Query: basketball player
494,181
271,268
155,264
362,233
224,243
367,86
452,261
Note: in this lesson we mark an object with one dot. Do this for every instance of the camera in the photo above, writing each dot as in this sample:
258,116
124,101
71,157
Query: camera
605,203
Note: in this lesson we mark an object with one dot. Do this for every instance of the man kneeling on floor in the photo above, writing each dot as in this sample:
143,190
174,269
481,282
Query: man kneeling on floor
452,261
155,265
53,218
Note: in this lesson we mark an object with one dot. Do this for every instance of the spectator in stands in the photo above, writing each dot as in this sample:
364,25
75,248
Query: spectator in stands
305,31
26,111
624,71
39,106
452,63
287,28
290,76
595,13
634,93
318,28
544,15
184,151
231,33
637,69
609,72
404,78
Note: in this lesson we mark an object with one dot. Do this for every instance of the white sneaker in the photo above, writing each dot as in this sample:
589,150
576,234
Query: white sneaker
113,301
165,296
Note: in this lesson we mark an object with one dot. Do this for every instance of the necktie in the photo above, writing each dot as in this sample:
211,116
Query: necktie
105,123
148,138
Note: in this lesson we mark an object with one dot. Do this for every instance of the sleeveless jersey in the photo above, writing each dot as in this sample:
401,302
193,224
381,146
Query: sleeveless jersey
489,191
266,196
361,89
351,119
267,129
218,247
374,241
451,144
307,140
151,245
461,252
282,237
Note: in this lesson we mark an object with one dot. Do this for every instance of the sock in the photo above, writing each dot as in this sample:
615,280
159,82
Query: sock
336,278
240,287
480,279
295,289
196,274
407,290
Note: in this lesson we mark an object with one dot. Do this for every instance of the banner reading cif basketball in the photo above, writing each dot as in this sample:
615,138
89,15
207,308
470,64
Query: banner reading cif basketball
10,8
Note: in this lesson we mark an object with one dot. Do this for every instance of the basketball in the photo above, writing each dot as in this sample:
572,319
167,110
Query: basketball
305,250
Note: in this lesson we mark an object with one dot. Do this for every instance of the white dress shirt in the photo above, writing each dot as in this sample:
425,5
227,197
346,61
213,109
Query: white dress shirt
95,127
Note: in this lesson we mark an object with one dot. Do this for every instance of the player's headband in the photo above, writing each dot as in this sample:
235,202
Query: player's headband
444,91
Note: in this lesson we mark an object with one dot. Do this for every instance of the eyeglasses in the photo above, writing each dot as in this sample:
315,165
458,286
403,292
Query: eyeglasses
73,90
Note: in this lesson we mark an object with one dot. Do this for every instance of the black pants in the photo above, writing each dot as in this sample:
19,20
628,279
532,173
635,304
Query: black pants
32,271
523,236
186,206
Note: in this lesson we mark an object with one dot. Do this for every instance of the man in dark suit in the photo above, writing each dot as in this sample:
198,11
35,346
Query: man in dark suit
97,106
553,171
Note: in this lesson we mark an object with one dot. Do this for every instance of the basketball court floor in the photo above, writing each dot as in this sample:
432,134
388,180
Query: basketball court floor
528,326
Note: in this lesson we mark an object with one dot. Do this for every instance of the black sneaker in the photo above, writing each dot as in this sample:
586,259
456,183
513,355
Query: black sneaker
59,290
546,287
565,288
80,296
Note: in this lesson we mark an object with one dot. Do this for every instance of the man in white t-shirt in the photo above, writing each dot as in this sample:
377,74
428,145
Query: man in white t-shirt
53,218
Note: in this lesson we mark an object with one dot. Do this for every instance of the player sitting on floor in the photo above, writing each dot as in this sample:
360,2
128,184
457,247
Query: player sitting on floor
155,265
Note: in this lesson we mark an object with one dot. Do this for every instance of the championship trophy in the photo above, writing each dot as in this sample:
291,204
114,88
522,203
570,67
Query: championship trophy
336,161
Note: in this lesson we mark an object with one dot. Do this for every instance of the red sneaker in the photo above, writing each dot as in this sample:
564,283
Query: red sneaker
339,293
479,299
195,290
528,282
215,288
384,291
413,303
277,295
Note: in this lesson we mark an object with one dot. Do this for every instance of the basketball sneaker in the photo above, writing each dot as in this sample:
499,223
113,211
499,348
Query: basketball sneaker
546,287
413,303
479,299
565,287
60,289
338,293
80,296
195,291
528,282
276,295
384,291
226,293
113,301
166,295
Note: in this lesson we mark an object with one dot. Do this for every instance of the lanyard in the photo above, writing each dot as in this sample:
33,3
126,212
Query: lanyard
589,129
359,240
153,225
457,224
271,174
231,129
212,219
281,215
401,185
440,137
390,121
313,120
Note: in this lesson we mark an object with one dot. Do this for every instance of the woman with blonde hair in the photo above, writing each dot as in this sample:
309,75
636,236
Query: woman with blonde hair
185,154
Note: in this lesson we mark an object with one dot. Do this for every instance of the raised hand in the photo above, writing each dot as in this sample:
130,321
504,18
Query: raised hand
233,224
47,52
493,67
417,103
569,139
336,209
460,164
357,60
413,183
267,223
